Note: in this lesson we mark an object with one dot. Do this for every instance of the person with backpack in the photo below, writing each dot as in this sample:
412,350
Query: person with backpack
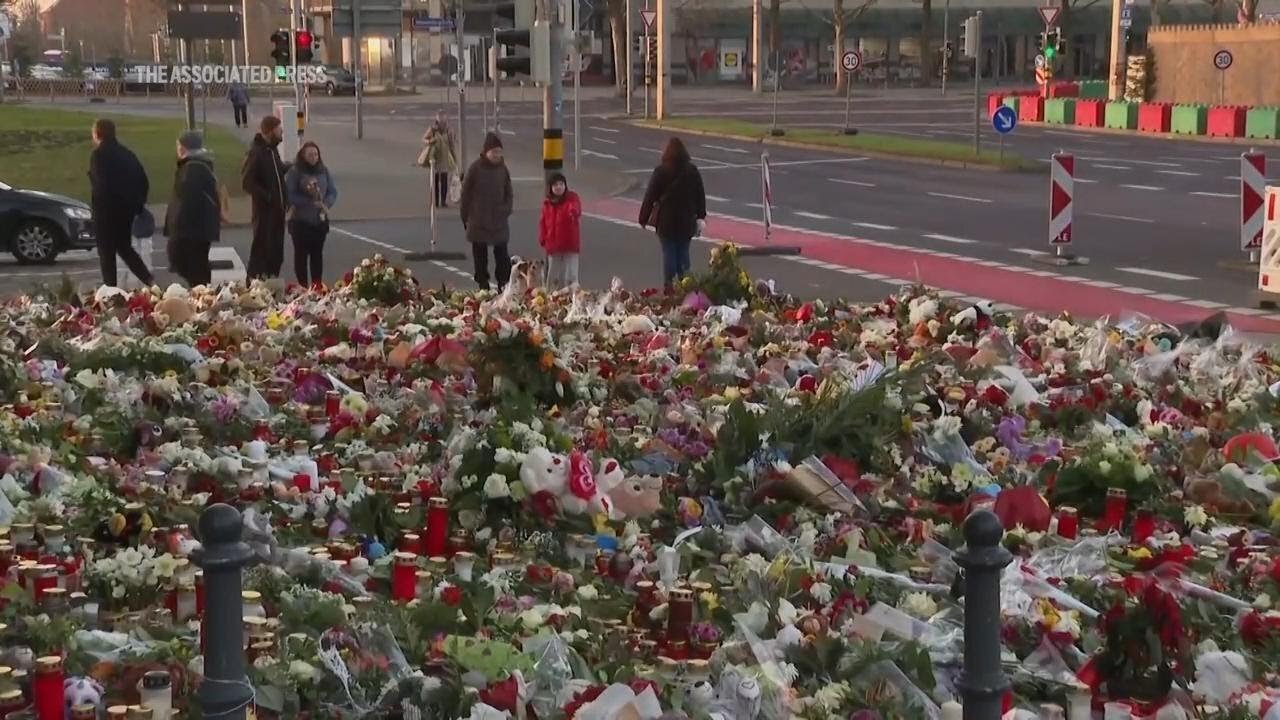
311,194
193,220
559,232
262,177
675,206
118,194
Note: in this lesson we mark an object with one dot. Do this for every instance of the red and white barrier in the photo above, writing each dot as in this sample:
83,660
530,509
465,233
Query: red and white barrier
1253,180
1062,176
1269,261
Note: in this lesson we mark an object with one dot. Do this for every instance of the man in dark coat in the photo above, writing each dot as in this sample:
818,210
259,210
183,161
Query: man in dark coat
119,190
486,204
262,177
194,219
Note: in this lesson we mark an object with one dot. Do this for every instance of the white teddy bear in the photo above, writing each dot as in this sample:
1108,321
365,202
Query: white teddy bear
545,470
570,479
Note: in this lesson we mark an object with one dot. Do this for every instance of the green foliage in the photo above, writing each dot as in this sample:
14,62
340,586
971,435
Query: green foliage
724,282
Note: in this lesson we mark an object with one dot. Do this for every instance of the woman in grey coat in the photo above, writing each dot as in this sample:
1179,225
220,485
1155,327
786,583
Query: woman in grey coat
486,206
311,194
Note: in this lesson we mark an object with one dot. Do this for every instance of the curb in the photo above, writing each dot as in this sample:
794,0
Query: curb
800,145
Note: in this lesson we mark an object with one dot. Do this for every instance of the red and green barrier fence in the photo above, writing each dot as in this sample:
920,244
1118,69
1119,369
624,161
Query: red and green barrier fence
1084,104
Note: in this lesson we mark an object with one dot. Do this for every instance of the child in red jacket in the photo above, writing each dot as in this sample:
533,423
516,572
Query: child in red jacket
558,233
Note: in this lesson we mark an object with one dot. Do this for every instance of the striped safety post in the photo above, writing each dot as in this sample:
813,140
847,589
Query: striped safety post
1269,260
1061,190
1253,181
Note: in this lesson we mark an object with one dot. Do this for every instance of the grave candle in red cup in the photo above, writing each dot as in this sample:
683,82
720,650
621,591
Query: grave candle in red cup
1114,511
411,542
1144,526
437,540
332,403
1068,522
46,689
404,577
302,481
200,593
679,615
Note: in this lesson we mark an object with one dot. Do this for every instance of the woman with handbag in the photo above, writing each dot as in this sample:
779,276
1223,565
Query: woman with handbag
675,206
437,154
311,192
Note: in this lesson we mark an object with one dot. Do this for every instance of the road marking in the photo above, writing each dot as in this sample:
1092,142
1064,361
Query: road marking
722,148
237,271
1168,297
757,206
813,216
1142,187
1230,196
951,239
1207,304
1119,217
1113,167
1248,311
1158,274
371,241
1135,290
1190,159
1028,251
603,129
1099,283
859,183
961,197
606,142
717,198
599,154
875,226
1183,173
1082,180
1133,162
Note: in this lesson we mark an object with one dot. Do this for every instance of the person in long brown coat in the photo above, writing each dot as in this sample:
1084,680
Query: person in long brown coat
486,204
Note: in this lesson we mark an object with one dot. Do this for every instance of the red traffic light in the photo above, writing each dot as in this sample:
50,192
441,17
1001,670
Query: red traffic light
304,38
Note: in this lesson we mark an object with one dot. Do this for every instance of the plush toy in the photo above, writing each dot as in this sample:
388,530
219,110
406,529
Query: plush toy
637,497
82,691
584,493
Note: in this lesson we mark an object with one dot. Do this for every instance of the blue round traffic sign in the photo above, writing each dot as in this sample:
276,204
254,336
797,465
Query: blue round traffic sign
1004,119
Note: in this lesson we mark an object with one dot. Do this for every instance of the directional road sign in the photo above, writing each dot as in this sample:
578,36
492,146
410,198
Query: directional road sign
1049,15
1004,119
648,16
1223,59
1040,61
851,60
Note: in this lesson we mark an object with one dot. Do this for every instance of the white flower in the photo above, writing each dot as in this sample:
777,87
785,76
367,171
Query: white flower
1141,472
588,592
946,426
1262,602
921,309
821,592
830,696
755,563
789,672
503,456
1195,516
1104,467
787,613
532,619
919,605
355,404
495,486
303,671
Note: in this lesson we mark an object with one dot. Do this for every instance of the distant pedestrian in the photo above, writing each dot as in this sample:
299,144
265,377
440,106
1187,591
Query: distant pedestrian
238,94
311,194
486,204
119,188
437,153
675,205
193,221
559,233
262,177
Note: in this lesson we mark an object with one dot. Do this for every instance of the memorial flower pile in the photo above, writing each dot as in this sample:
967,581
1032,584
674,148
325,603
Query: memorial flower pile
728,503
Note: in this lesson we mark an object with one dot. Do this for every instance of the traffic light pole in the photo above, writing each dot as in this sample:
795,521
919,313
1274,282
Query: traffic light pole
553,95
977,82
946,46
630,81
459,13
184,48
296,19
358,66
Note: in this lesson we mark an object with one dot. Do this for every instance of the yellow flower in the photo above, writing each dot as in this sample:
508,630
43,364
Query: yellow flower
1140,553
1274,512
743,279
274,321
601,522
117,524
710,601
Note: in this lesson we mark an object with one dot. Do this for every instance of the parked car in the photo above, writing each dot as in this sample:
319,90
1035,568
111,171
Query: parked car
38,226
338,81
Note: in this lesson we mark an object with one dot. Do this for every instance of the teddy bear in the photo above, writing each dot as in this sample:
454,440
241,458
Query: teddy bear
543,470
82,691
585,494
570,480
636,497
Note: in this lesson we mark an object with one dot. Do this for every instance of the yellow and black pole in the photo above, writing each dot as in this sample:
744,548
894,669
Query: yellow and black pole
552,150
553,97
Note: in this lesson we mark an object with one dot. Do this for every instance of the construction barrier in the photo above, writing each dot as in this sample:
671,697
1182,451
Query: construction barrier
994,101
1262,123
1031,109
1188,119
1122,115
1226,121
1269,262
1253,180
1060,111
1062,172
1154,117
1090,113
1013,101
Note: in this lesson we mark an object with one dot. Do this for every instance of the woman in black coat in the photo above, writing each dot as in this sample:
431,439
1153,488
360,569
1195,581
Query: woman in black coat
675,205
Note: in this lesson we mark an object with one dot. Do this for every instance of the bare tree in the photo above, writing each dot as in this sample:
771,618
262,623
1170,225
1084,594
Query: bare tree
839,18
1247,11
926,31
1064,23
618,28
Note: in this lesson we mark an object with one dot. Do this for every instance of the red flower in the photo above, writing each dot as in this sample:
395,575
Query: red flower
807,384
995,395
544,505
583,698
503,695
451,596
821,339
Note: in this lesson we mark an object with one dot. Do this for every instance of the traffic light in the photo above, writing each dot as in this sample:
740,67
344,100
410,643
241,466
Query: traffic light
971,36
280,51
303,43
524,33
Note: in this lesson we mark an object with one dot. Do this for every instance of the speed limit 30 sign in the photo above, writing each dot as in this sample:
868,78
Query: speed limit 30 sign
851,60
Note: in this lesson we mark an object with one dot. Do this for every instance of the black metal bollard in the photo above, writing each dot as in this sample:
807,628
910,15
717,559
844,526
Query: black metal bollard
983,682
225,692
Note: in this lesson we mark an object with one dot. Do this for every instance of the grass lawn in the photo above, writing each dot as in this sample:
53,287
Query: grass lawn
43,149
864,142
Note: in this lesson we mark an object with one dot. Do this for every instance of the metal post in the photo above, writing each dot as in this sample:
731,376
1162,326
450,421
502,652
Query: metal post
777,74
295,17
184,50
413,59
630,76
663,91
848,100
577,86
435,235
946,37
4,59
977,82
484,93
459,16
553,96
244,21
497,86
648,75
225,693
757,46
358,67
204,111
982,682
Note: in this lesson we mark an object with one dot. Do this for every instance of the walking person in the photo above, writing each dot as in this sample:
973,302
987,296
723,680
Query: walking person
559,233
675,206
238,94
118,193
193,221
438,153
486,204
262,177
311,194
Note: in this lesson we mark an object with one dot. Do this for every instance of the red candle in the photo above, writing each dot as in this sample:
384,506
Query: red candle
1144,526
302,481
262,431
46,577
200,593
332,403
437,540
47,690
1114,511
679,615
404,577
411,543
1068,522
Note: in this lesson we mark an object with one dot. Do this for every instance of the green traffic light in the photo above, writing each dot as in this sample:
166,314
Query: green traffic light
1050,52
280,72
